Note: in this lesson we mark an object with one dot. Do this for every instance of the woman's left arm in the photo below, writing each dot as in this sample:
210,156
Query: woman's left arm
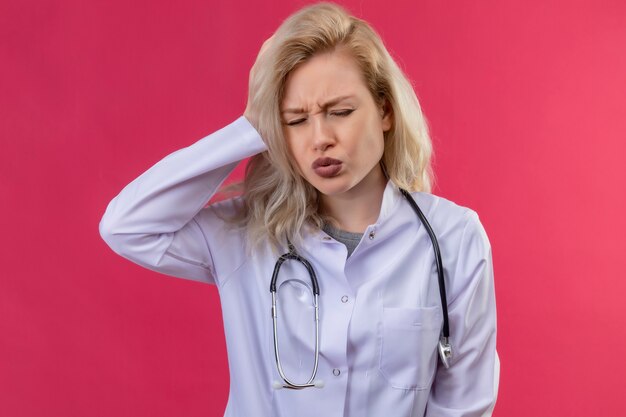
469,387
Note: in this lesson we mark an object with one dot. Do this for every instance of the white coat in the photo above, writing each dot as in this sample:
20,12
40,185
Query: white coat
380,313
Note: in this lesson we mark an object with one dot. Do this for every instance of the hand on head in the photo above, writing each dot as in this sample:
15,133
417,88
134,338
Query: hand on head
251,113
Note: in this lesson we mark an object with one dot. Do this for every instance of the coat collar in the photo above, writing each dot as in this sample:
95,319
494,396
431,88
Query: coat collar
391,198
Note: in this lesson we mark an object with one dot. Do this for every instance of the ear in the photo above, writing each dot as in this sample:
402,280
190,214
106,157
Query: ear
387,115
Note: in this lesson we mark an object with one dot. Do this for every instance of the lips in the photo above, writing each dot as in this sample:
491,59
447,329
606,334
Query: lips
326,167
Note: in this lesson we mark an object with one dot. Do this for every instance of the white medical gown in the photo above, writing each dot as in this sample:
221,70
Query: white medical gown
380,313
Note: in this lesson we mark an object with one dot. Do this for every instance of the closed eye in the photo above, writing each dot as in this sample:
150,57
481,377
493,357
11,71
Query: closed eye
342,113
339,113
295,122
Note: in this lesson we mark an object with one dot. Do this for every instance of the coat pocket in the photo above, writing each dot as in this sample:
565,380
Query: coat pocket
408,353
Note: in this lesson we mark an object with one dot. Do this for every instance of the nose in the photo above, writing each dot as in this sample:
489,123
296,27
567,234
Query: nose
322,133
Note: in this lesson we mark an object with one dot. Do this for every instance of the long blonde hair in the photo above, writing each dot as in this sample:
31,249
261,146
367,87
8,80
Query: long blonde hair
277,201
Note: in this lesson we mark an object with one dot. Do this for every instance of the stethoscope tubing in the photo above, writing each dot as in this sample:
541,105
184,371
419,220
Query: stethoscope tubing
288,383
445,350
445,331
292,255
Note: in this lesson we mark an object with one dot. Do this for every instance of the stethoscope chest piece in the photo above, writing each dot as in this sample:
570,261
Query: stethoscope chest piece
445,351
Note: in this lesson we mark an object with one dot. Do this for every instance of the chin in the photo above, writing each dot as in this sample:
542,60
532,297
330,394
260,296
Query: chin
331,186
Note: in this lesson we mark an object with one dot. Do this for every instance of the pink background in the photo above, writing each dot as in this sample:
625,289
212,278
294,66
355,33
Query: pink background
526,102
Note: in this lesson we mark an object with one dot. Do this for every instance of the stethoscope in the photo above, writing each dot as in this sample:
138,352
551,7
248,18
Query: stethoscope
444,347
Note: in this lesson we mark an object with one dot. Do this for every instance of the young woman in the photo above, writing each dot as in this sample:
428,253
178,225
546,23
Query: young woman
339,156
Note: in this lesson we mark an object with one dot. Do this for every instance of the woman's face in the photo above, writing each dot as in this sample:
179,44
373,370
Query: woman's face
333,127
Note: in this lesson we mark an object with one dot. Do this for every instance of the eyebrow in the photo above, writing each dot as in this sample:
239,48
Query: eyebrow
329,103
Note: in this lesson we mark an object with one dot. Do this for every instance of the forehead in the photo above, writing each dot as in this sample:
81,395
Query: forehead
325,75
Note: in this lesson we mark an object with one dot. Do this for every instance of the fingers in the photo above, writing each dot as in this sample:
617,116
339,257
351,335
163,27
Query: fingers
262,51
266,44
250,112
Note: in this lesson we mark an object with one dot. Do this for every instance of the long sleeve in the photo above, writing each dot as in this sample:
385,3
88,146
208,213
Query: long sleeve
469,387
151,221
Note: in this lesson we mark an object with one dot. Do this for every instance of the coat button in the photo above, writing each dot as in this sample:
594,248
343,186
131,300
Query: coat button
371,235
336,372
344,299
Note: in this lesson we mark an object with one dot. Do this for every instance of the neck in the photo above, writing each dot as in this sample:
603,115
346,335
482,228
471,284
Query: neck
359,207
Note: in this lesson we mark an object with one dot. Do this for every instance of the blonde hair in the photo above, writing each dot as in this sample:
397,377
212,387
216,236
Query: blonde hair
277,201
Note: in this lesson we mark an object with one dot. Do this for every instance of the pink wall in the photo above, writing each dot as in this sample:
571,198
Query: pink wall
526,102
